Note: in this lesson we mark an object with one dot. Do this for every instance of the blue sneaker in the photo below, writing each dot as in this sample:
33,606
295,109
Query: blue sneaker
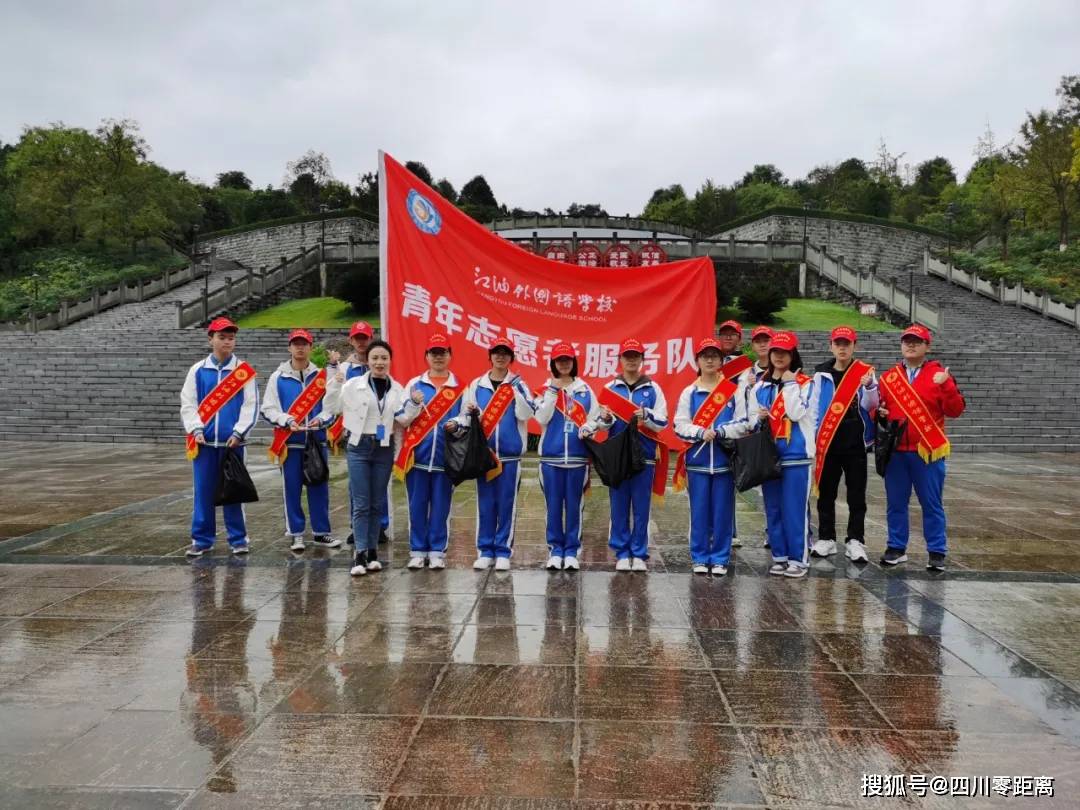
195,551
242,547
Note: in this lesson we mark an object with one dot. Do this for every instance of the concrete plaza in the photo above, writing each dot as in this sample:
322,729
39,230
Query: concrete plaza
132,678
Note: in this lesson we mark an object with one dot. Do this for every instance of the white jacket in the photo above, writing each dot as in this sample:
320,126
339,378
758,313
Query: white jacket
355,398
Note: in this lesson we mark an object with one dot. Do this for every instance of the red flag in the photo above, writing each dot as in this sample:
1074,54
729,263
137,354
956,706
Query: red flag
441,271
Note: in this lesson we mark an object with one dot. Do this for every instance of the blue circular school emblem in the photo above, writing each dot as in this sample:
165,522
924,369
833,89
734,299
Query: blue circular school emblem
423,213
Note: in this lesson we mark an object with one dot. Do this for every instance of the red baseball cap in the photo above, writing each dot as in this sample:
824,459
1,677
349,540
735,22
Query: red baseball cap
708,343
843,333
730,325
361,328
562,350
501,342
787,341
437,341
916,330
300,334
630,345
761,330
221,325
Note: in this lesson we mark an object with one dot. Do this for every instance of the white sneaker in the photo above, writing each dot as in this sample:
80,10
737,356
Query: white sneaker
374,565
823,548
482,563
701,569
778,568
719,570
502,564
359,568
436,563
297,544
736,542
554,563
415,563
856,551
794,571
638,565
571,564
623,564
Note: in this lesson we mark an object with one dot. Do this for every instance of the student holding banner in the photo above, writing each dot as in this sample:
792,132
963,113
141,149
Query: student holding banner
782,402
568,412
219,403
505,407
431,408
293,404
356,365
845,434
921,393
712,408
369,405
635,394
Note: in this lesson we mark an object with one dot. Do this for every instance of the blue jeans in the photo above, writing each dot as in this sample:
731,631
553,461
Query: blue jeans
369,475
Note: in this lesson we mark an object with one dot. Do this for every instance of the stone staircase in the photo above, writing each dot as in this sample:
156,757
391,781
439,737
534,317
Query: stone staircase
158,312
121,384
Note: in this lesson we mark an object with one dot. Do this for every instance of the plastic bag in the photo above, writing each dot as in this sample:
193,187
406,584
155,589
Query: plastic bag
754,460
619,458
316,470
886,438
234,485
468,456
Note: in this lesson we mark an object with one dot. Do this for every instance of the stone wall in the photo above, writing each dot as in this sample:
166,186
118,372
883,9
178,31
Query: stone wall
862,245
266,246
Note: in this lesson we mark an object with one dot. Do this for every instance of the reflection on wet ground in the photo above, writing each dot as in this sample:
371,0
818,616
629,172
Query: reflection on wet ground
131,678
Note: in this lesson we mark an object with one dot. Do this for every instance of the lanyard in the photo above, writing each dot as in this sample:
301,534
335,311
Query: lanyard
380,402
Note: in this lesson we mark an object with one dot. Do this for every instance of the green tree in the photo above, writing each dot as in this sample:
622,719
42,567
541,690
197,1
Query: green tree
1044,154
270,203
366,194
234,179
447,190
932,177
670,205
712,206
305,190
420,170
586,210
335,195
758,196
478,200
764,173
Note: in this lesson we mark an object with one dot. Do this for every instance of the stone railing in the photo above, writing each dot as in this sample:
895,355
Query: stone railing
233,291
870,286
1003,293
103,298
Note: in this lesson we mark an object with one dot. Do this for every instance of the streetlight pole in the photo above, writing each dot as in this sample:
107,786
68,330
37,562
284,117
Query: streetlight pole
34,303
950,215
322,222
911,293
805,212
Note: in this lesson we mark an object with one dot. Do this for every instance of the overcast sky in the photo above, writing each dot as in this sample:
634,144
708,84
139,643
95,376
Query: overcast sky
554,102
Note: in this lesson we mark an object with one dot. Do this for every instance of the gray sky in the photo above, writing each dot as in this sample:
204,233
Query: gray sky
554,102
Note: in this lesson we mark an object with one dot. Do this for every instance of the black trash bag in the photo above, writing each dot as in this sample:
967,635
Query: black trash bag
234,485
619,458
316,470
886,438
468,456
754,460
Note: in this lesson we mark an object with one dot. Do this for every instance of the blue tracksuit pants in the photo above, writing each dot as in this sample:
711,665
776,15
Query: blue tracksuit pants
318,498
429,511
204,470
786,514
496,501
712,505
907,471
631,497
564,491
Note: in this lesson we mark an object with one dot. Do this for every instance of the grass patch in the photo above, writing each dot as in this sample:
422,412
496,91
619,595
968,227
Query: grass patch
812,315
320,313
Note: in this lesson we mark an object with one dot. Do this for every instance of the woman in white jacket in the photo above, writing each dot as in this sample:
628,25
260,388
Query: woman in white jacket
368,404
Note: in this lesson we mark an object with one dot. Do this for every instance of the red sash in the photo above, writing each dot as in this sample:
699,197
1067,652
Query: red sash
571,408
704,418
489,420
733,368
428,419
216,399
335,432
625,410
834,414
299,410
779,424
932,441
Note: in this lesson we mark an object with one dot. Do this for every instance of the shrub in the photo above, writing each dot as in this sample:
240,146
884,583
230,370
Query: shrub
761,301
360,287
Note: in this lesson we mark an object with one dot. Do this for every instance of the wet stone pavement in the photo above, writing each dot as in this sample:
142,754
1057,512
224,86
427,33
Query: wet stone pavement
130,678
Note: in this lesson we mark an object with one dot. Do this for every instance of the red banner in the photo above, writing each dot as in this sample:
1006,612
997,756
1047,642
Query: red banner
441,271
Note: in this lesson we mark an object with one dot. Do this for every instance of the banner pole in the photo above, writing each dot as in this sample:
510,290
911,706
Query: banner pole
384,227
